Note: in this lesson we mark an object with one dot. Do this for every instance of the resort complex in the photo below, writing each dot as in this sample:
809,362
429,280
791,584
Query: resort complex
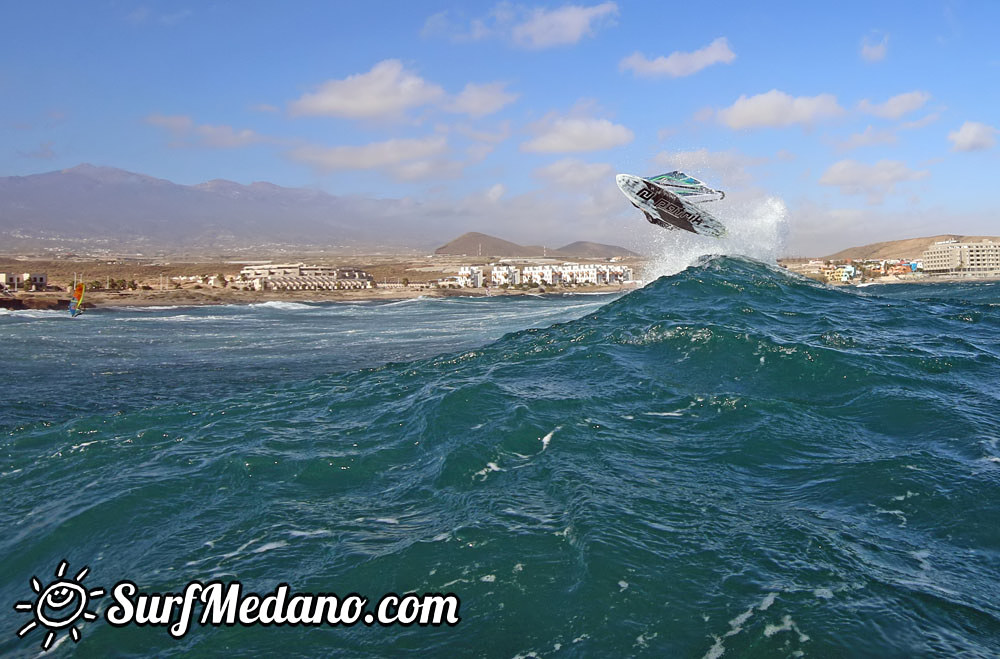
302,277
565,274
950,257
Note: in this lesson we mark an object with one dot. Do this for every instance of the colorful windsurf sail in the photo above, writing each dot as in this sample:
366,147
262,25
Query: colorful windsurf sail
76,304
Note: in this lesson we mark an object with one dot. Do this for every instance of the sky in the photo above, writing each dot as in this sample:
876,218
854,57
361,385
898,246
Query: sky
869,121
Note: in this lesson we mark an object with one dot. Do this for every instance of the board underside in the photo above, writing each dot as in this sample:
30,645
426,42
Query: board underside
662,207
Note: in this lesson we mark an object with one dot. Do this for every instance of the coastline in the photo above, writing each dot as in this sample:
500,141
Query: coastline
220,296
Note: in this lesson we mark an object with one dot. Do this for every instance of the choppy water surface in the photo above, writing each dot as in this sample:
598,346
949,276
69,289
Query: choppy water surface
729,462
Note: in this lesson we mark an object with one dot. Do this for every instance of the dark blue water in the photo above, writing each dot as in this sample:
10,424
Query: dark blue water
728,462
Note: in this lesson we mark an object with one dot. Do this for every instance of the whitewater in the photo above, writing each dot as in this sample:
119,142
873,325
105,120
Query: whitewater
730,461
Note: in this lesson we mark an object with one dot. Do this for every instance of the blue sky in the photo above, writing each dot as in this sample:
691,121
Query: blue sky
870,121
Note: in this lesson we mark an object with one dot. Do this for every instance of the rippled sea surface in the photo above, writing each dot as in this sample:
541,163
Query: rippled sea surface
728,462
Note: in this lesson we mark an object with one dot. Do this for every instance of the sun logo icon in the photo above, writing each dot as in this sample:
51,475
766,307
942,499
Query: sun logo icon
59,605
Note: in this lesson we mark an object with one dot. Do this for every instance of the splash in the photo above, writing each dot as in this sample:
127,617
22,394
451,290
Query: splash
755,228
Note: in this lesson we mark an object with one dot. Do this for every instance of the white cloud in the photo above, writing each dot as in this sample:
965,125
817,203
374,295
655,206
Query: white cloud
226,137
776,108
421,170
679,64
574,135
142,15
187,133
501,134
370,156
875,181
386,91
572,172
481,100
495,192
495,22
869,137
873,51
43,152
973,136
557,27
176,124
896,106
533,28
729,166
920,123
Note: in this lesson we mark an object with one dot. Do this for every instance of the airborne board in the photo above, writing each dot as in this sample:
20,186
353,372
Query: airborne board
670,200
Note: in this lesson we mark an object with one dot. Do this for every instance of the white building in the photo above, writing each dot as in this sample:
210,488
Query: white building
34,281
963,259
470,276
302,277
542,274
579,274
505,275
286,270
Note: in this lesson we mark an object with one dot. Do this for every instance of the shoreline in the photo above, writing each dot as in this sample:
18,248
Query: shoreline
221,296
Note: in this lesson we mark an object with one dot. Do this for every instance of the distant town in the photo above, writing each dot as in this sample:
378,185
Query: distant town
303,277
943,259
464,268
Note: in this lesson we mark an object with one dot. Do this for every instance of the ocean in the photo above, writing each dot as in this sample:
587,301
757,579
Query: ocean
729,462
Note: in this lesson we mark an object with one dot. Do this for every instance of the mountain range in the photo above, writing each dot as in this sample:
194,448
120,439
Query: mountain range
88,202
89,206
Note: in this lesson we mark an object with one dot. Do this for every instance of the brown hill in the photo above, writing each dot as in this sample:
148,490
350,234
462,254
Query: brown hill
910,248
594,250
480,244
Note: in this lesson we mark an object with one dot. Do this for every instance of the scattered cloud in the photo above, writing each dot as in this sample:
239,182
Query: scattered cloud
572,172
776,108
376,155
555,134
731,166
481,100
704,114
141,15
558,27
920,123
43,152
177,124
187,133
897,106
679,64
875,181
973,136
265,107
532,28
501,133
495,192
868,137
421,170
226,137
872,50
386,91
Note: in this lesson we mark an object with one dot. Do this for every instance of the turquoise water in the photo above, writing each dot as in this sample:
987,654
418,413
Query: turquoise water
728,462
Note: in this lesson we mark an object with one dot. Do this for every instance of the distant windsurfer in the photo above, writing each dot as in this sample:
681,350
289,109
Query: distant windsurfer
76,303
